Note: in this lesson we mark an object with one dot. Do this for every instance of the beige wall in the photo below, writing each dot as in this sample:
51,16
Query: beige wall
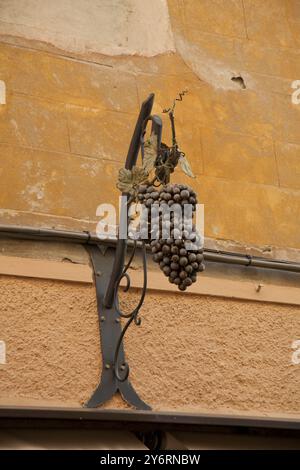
111,27
203,354
65,124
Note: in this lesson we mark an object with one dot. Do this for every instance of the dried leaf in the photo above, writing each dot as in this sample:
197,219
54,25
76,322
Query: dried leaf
150,153
185,166
138,175
124,183
129,179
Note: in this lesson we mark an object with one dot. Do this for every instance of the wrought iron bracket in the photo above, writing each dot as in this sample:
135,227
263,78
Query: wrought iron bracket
109,269
110,332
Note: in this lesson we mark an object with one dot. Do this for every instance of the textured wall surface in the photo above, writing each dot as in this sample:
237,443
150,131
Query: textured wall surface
68,117
107,26
68,106
204,354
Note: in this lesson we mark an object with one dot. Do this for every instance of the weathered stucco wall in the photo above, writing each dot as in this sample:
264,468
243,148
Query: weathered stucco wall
70,111
68,104
203,354
111,27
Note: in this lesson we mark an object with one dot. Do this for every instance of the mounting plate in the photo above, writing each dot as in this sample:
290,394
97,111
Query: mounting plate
110,331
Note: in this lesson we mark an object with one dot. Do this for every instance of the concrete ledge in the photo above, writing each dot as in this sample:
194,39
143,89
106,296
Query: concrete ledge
207,285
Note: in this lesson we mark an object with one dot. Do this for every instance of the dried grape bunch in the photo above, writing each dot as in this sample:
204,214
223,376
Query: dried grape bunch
178,194
148,196
178,264
170,239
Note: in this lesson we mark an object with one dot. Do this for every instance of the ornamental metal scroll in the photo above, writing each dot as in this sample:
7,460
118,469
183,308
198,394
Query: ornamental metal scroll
109,270
109,265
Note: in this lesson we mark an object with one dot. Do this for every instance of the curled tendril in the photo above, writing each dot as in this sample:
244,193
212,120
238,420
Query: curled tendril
179,97
132,316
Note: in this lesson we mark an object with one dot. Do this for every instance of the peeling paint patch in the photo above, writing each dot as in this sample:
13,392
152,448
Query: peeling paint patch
9,212
33,195
16,129
2,92
91,168
210,70
28,164
110,27
215,230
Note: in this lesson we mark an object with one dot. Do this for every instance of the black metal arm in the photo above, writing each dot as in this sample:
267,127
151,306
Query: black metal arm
131,159
109,270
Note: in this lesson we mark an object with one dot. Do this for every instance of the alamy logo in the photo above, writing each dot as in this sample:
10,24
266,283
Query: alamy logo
296,353
154,222
296,94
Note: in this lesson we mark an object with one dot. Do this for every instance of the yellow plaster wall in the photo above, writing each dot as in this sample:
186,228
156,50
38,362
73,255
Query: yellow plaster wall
66,126
64,133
